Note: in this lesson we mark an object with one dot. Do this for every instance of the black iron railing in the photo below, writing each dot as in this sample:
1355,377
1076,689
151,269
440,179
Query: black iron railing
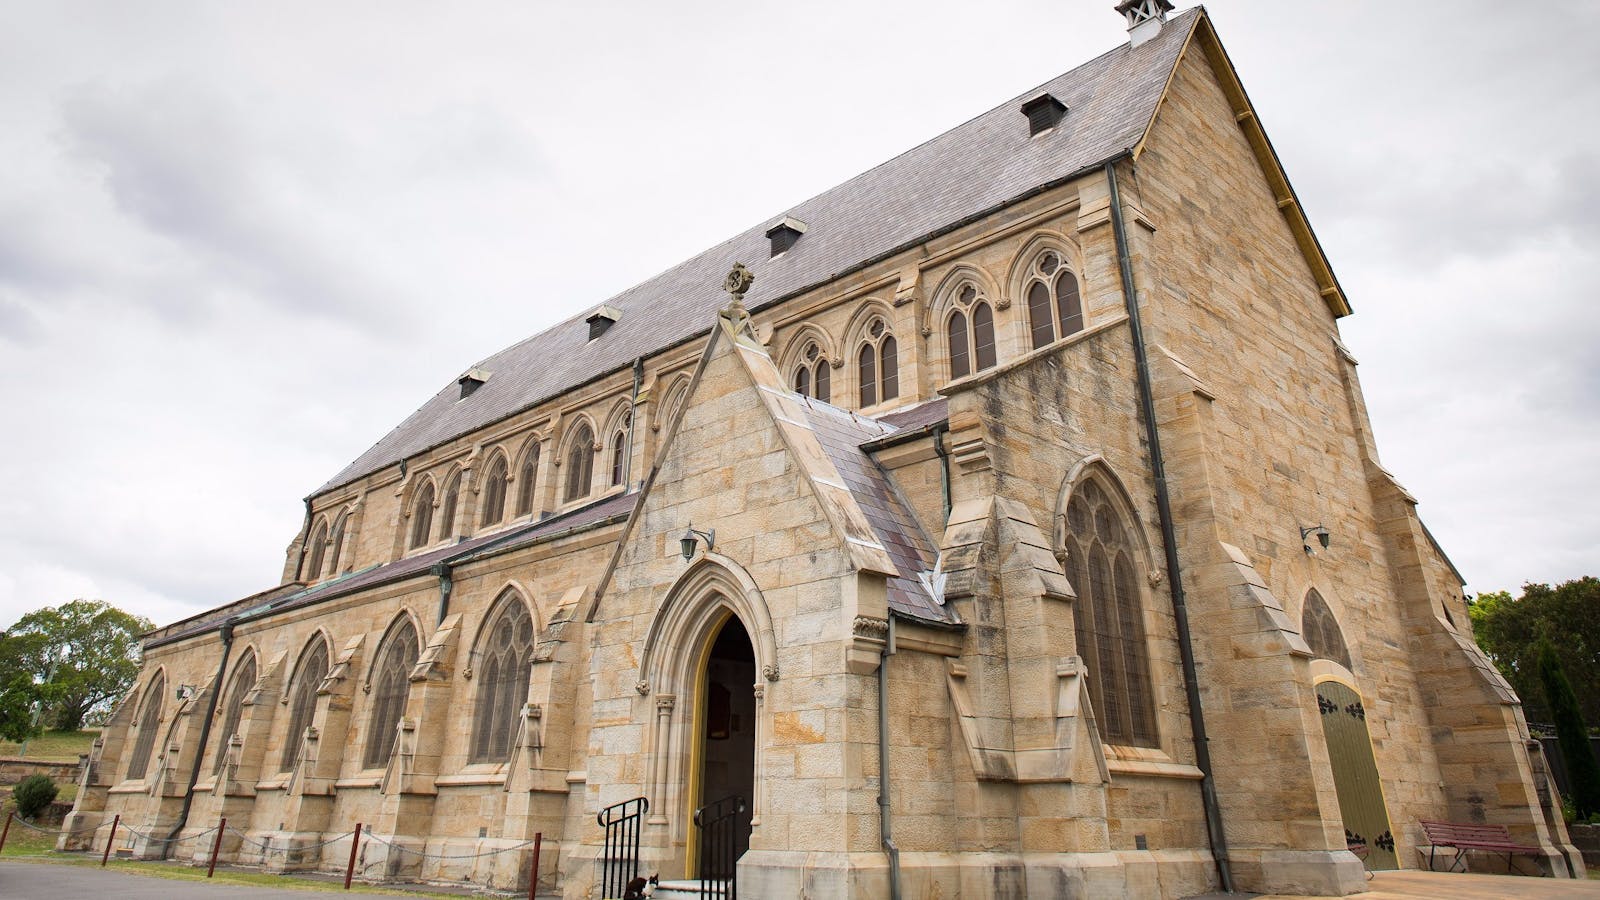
719,847
620,864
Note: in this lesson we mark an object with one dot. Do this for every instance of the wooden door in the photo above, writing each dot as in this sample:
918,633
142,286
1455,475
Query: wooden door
1355,773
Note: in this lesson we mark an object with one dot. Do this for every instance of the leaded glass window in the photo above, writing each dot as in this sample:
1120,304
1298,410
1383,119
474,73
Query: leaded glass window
336,542
233,710
877,365
318,543
1110,617
447,509
391,683
580,463
308,675
422,515
149,725
970,333
503,666
528,480
811,376
1321,630
1054,308
494,492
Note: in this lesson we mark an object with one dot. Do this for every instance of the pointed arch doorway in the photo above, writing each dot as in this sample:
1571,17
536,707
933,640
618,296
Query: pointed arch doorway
720,800
1355,774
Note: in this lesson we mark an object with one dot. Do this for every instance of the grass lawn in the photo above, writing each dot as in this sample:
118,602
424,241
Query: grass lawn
64,745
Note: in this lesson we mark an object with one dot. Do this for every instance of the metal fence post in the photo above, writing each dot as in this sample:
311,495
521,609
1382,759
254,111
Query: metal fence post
350,870
110,839
215,846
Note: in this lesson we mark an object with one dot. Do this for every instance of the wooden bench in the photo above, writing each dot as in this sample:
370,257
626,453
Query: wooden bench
1463,838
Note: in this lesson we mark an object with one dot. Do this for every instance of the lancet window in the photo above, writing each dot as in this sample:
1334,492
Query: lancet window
580,463
1321,630
149,725
391,683
315,548
811,373
503,667
336,542
308,675
494,492
528,480
878,365
233,710
969,333
447,509
422,515
1054,308
1110,616
619,451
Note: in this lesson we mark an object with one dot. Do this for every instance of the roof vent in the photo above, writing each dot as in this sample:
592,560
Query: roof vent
1145,18
471,380
1044,112
785,233
602,319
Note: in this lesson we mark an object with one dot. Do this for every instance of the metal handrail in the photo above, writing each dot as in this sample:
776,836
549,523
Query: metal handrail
620,863
719,849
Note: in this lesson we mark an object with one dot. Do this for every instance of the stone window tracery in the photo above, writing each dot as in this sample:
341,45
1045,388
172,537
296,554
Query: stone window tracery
580,463
619,450
811,376
422,515
502,672
149,725
1054,308
969,333
336,542
243,680
1321,630
308,675
878,365
1109,617
391,683
527,480
494,492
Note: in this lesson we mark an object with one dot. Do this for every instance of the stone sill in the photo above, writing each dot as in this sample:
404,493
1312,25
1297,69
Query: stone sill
470,778
1153,768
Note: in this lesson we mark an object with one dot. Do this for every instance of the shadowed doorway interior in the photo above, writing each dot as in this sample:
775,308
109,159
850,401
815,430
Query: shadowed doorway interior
727,735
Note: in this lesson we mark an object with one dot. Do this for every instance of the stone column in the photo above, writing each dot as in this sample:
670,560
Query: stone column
665,703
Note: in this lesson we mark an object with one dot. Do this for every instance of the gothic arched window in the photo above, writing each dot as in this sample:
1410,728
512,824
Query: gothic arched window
1109,616
580,463
243,680
494,492
970,333
336,542
527,480
878,365
1321,630
811,373
447,509
502,673
391,682
619,450
1054,307
314,549
149,725
422,515
308,675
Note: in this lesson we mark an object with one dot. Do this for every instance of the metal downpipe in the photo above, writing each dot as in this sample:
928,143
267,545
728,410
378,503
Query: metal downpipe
885,832
226,631
1169,541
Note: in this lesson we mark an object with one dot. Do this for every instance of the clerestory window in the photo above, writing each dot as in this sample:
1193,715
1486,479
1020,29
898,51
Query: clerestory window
447,509
528,480
811,373
1054,308
969,333
878,365
494,492
580,463
422,515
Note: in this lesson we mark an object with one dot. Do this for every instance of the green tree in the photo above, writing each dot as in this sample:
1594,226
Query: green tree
83,655
1509,630
1583,772
18,695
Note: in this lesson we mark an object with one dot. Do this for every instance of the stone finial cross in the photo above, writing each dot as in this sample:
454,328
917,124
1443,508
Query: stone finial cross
737,283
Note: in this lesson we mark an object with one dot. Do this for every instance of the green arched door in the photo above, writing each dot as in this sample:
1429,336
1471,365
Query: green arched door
1355,773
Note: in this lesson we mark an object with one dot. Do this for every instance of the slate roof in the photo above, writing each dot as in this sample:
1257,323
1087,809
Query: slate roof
841,434
296,595
979,166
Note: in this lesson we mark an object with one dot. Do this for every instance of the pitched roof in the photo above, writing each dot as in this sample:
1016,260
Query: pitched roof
841,434
979,166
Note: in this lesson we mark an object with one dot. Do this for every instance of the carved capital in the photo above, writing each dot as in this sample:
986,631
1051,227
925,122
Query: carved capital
871,626
666,702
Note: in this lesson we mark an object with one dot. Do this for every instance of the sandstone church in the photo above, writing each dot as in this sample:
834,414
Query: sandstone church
1004,522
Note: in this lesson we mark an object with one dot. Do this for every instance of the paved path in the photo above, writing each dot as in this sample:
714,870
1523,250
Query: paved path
1410,884
42,881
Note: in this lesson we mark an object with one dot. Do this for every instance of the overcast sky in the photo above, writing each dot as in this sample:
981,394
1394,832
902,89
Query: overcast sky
240,242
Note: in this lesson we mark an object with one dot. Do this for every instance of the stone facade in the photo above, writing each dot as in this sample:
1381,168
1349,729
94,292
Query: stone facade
926,548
